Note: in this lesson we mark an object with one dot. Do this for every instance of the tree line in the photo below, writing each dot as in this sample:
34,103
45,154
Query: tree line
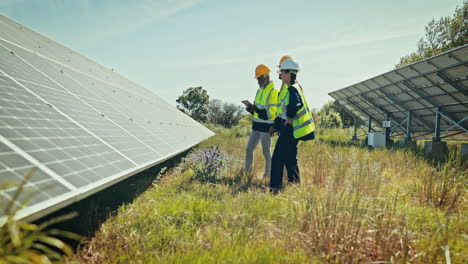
196,103
441,35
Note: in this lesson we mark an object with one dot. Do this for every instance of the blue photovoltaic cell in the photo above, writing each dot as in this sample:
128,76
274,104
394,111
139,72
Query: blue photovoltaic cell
75,124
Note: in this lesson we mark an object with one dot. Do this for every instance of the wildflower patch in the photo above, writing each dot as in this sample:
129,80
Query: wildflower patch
209,165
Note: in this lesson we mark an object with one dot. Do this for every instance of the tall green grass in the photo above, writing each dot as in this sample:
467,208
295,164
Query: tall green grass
354,205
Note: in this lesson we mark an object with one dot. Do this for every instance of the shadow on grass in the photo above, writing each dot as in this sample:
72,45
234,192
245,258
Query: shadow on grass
244,182
97,208
337,143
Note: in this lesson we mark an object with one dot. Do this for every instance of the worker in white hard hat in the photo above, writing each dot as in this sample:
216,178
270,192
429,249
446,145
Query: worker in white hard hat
264,113
294,123
284,87
281,95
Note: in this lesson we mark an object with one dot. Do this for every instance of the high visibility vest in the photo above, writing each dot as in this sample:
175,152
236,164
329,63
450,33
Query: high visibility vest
282,94
266,98
303,122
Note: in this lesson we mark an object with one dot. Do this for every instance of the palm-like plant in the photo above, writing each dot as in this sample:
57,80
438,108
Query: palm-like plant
22,242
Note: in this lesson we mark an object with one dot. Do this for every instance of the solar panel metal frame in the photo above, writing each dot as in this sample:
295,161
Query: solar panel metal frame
61,80
421,87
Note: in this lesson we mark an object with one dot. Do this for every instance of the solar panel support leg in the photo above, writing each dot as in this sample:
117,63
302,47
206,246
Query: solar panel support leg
387,130
369,129
354,138
436,138
464,151
408,127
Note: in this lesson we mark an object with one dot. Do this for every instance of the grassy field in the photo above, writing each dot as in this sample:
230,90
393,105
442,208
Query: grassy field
354,205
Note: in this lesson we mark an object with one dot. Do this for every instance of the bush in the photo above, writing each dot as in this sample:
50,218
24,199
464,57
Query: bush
209,165
332,107
224,114
330,119
246,121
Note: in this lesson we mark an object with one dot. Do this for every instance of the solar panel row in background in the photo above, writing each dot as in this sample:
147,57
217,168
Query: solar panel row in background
440,81
82,126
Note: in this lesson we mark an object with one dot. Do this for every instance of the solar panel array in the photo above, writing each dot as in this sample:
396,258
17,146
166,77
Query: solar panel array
439,81
82,126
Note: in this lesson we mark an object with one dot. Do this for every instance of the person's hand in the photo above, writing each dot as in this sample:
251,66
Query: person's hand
272,131
288,122
251,108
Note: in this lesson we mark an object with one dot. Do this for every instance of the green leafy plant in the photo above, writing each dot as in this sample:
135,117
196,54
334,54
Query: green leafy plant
22,242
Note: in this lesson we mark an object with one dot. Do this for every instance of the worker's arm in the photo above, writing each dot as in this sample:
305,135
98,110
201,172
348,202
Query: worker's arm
273,104
262,113
277,123
295,102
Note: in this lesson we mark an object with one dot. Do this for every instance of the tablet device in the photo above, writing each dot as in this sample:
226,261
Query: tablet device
246,102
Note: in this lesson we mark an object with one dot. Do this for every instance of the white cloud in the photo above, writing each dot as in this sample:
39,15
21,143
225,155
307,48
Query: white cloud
85,22
126,17
309,48
8,3
347,42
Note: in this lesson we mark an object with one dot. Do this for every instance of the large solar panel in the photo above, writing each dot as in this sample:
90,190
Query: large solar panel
436,84
80,126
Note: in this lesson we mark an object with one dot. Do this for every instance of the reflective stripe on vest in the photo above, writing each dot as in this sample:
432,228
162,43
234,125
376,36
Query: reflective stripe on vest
265,106
281,98
301,113
303,122
310,121
283,106
259,120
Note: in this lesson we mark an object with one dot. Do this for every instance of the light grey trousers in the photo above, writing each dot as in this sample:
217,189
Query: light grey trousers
265,138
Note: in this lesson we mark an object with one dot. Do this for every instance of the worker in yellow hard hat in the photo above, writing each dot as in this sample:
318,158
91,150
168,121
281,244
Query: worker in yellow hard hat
264,113
294,123
285,57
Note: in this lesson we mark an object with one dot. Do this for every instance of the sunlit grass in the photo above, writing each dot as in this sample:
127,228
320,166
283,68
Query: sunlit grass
353,205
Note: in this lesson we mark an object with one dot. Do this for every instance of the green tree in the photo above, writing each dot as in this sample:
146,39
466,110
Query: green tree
328,115
440,36
331,119
194,102
225,114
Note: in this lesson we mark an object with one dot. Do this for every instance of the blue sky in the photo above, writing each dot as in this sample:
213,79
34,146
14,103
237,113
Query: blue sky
168,46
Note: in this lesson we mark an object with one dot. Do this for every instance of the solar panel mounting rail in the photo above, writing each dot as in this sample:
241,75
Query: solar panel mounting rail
428,97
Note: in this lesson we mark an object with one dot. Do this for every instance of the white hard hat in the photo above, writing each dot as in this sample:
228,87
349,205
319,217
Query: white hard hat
289,64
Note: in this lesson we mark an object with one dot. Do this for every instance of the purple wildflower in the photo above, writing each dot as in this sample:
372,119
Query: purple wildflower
209,164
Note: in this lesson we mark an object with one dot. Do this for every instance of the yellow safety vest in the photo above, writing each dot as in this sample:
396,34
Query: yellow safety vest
303,122
282,94
266,98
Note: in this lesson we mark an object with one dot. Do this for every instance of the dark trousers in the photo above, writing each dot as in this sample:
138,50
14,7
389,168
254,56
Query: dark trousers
285,154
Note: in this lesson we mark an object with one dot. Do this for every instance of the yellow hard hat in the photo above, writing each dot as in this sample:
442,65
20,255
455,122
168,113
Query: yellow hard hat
285,57
261,69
